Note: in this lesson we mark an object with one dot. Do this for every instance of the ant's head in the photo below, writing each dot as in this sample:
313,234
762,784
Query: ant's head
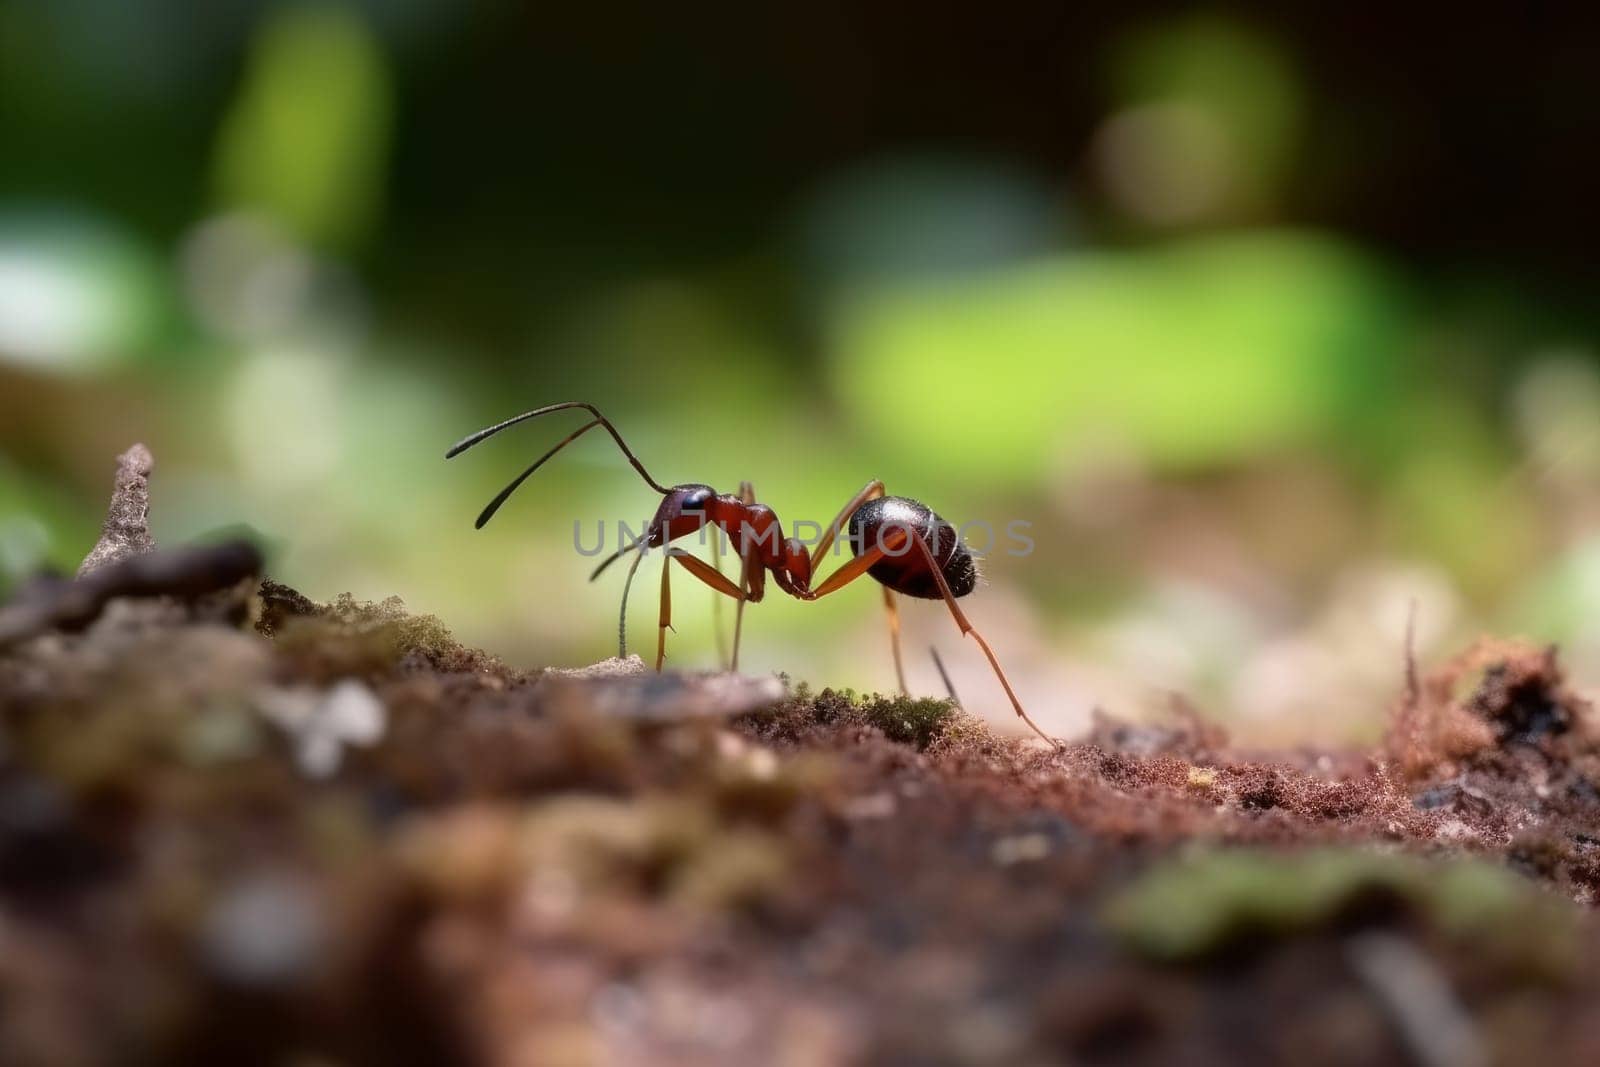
691,497
682,510
797,563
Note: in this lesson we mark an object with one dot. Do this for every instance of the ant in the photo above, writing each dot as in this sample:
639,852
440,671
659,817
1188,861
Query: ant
898,541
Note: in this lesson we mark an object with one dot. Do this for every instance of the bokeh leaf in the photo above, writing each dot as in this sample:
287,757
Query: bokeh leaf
306,140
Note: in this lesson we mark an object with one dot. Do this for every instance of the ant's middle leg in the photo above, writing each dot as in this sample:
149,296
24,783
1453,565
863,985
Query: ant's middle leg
716,601
747,495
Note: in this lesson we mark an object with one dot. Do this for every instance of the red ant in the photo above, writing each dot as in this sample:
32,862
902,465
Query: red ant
912,550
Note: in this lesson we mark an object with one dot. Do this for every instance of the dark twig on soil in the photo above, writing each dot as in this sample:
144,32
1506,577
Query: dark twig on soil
1405,731
125,563
1435,1026
186,573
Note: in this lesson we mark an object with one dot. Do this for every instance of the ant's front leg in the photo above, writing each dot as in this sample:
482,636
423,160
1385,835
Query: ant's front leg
707,574
664,621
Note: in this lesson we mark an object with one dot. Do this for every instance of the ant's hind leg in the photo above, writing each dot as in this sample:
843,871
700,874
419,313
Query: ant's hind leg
894,639
968,629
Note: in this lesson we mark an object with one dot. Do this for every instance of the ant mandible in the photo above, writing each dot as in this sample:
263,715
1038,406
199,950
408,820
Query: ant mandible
897,529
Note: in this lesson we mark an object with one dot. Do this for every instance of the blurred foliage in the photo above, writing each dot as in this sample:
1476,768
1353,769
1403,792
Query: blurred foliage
1263,322
78,295
1213,120
305,140
1211,902
1190,354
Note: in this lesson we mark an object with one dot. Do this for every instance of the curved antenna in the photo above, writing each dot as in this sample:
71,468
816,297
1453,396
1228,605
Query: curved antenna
494,505
489,431
618,554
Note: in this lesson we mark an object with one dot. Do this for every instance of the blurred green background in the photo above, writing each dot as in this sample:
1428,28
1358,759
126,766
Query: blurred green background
1269,325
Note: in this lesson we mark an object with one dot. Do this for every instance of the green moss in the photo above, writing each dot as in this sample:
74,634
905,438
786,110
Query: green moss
918,721
1194,907
912,720
325,647
352,637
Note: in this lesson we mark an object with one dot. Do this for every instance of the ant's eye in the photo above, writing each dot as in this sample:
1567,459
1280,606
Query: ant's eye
696,500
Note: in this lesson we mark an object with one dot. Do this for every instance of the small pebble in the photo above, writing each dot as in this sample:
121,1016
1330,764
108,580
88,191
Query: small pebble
1023,848
321,724
263,932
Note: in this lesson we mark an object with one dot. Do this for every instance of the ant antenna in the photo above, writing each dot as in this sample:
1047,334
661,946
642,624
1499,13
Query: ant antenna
618,554
622,618
599,420
494,505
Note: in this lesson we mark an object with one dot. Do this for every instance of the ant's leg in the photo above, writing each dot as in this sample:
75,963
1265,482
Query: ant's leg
859,566
665,622
849,572
701,571
747,495
870,491
855,569
716,601
967,628
894,639
709,575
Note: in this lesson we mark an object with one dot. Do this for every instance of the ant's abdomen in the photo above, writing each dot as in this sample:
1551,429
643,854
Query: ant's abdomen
905,570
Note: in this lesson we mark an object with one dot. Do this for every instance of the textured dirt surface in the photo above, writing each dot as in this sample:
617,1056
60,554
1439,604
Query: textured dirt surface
248,828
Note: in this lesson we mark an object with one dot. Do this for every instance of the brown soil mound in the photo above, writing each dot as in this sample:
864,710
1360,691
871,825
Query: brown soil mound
242,827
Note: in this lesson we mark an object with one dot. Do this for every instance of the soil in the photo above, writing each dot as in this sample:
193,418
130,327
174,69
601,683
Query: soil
237,826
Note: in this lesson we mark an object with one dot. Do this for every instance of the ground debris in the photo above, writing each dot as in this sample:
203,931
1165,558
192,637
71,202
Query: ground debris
638,696
46,604
1495,697
330,832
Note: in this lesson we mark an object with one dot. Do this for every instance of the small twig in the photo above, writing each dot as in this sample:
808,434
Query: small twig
125,563
1404,740
1424,1010
126,532
1413,686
